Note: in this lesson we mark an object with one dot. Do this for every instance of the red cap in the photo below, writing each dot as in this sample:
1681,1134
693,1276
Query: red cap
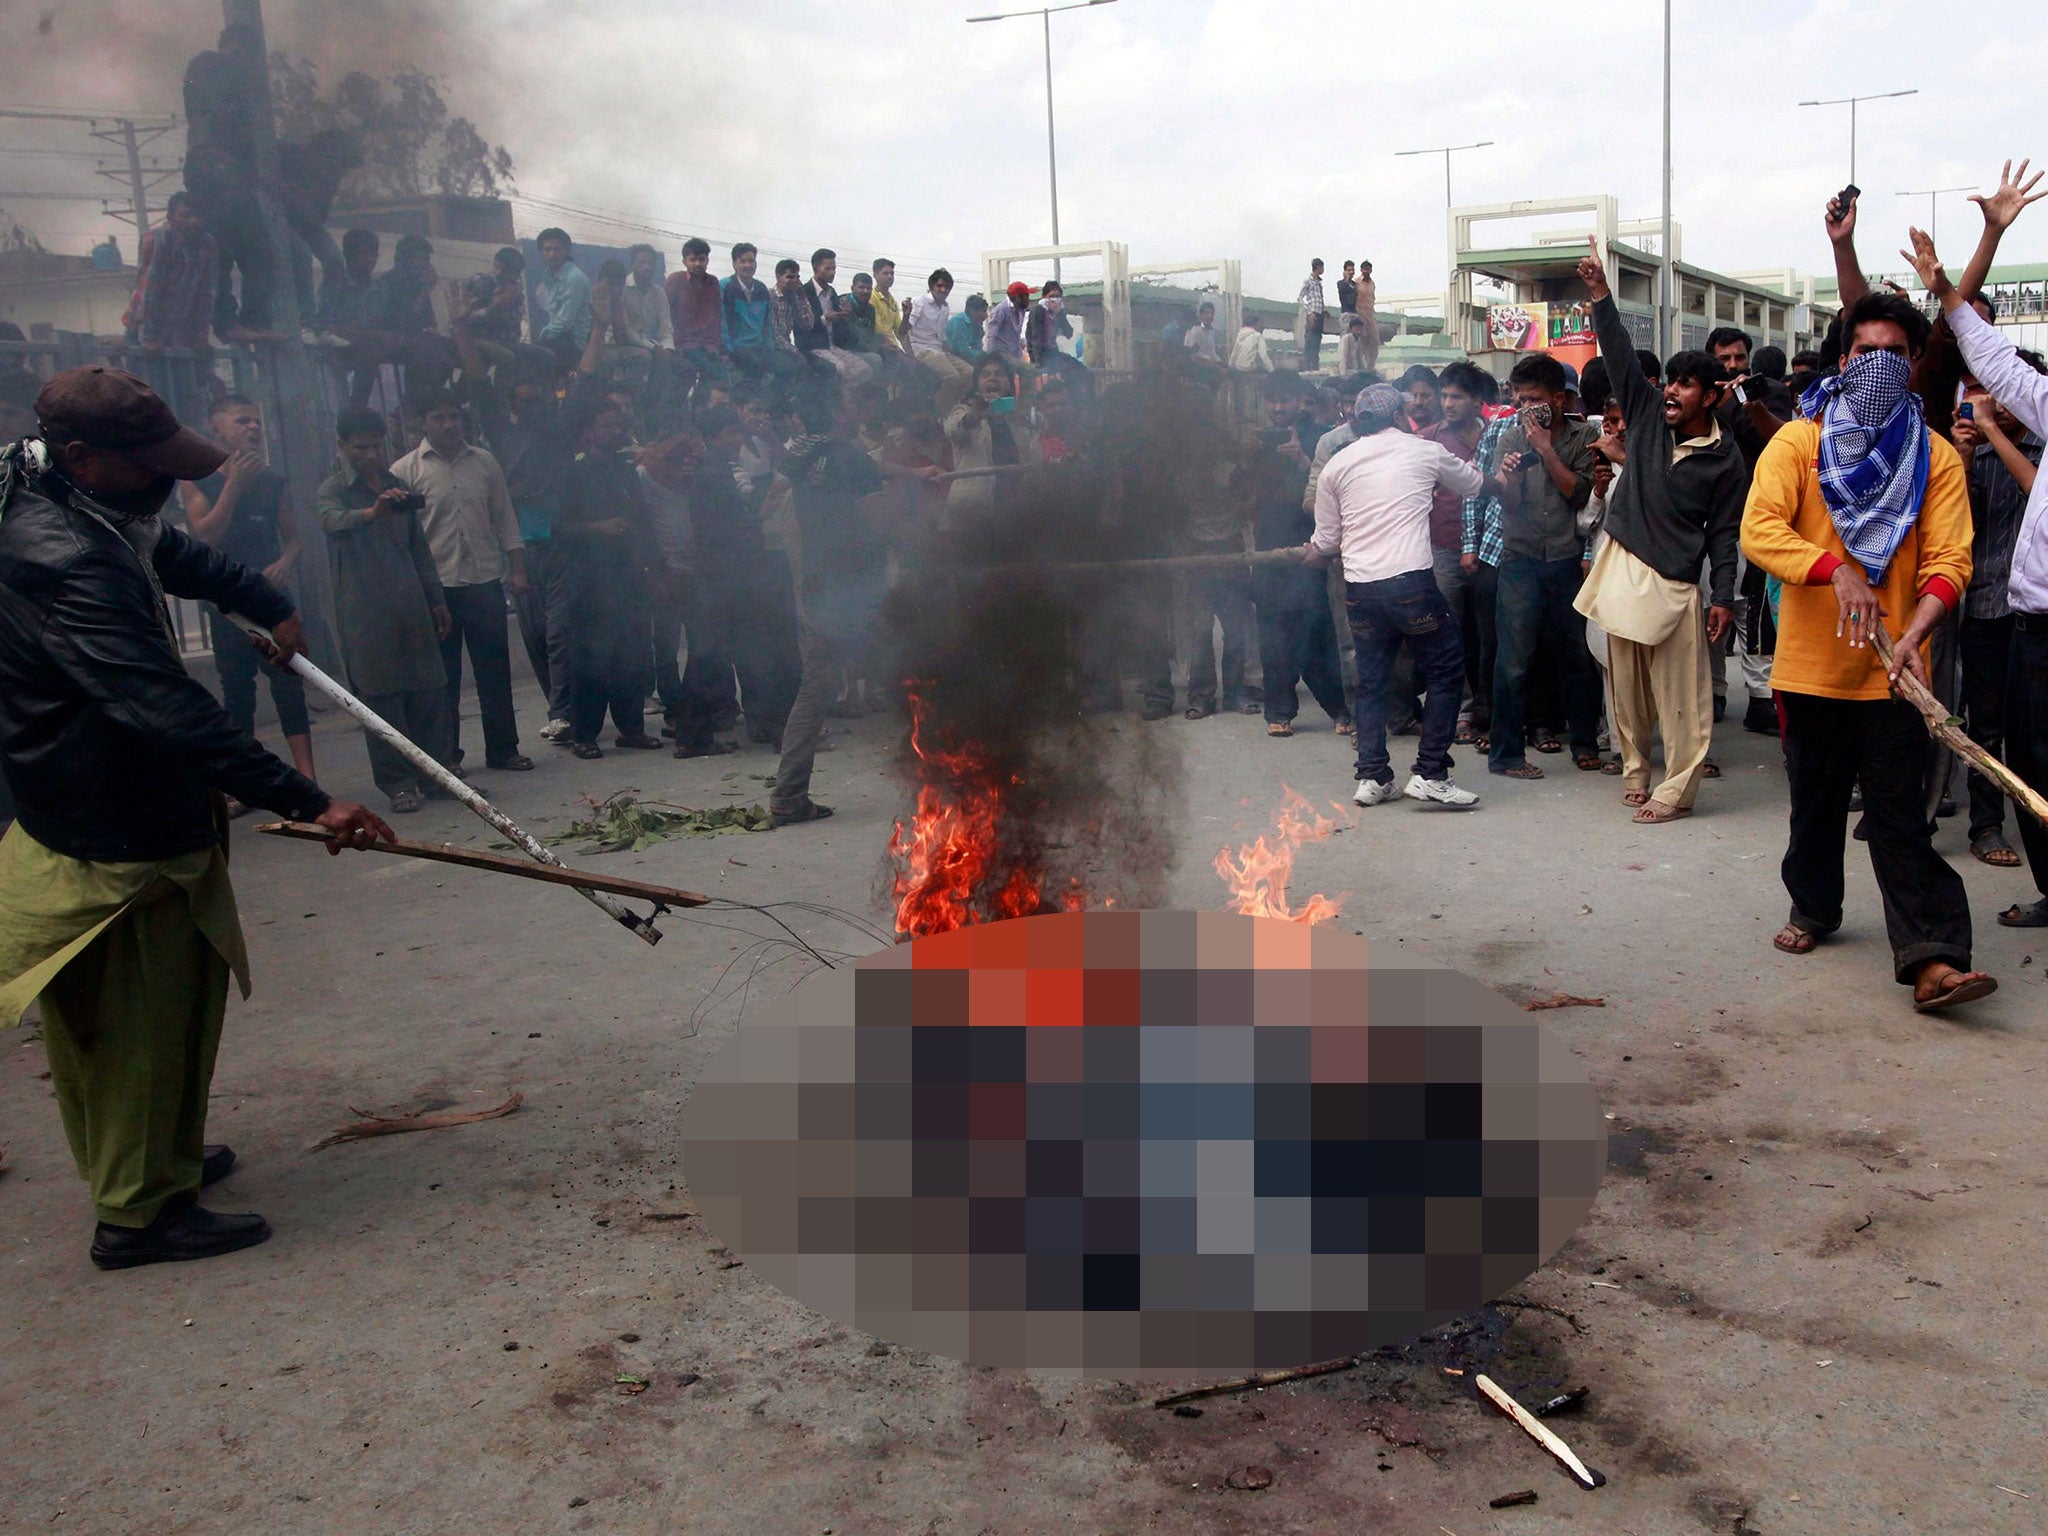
1019,290
118,413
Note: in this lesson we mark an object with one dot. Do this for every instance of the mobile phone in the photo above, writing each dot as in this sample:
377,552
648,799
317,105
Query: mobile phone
1848,195
1967,411
412,501
1741,394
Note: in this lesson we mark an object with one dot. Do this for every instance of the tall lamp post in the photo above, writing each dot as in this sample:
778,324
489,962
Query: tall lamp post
1446,150
1850,102
1933,196
1052,156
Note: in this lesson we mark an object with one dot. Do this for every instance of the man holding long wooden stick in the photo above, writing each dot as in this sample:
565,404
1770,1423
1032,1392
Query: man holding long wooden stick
115,906
2017,387
1865,516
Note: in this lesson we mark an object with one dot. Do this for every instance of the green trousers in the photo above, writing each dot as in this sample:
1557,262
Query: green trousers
131,1025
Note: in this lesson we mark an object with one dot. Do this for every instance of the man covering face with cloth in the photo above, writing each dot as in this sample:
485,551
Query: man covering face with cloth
1865,518
115,906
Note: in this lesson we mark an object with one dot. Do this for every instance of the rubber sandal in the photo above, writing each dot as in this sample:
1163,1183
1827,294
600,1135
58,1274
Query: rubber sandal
1196,712
810,810
1466,735
1589,762
1519,771
1655,813
2033,915
1344,728
1279,728
1992,848
1802,943
1637,798
588,751
404,802
1612,767
1548,744
1710,769
1968,990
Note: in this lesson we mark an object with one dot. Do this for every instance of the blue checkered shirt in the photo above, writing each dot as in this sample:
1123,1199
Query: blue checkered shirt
1482,512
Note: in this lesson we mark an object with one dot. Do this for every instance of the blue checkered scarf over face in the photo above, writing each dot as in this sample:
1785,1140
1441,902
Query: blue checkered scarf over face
1873,455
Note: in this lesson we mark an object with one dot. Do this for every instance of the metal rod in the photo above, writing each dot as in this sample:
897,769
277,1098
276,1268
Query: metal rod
388,733
502,864
1236,560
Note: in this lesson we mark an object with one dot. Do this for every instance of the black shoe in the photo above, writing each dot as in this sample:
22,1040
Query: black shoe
183,1229
1945,807
216,1164
1761,717
512,764
1720,709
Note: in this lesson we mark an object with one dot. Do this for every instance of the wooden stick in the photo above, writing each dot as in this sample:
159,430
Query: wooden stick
502,864
1542,1433
1943,727
1258,1379
424,764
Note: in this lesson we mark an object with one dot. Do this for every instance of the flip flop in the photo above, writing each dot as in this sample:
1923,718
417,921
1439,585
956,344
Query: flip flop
1466,735
1992,848
1655,813
1801,942
1279,728
1345,728
1612,767
1636,797
1548,744
1710,769
2033,915
1968,990
1588,762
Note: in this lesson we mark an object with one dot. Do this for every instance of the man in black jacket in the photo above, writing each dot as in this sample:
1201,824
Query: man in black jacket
1677,500
115,906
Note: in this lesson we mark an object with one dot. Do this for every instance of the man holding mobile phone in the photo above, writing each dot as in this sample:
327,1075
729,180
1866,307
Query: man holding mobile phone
390,612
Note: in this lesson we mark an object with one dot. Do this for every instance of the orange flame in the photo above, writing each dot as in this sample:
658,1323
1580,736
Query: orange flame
949,856
1258,872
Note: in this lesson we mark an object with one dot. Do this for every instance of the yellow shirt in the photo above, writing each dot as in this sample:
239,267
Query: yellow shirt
1786,530
888,317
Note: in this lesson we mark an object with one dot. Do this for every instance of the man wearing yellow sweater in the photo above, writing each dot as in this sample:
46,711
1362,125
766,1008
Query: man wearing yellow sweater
1865,517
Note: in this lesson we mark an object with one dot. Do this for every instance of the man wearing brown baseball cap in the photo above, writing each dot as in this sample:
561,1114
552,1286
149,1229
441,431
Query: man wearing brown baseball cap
115,906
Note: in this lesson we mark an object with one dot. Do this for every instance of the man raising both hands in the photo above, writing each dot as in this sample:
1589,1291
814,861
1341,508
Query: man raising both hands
2022,391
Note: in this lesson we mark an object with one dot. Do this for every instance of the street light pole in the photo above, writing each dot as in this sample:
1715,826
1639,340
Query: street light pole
1052,157
1933,196
1446,150
1667,299
1850,102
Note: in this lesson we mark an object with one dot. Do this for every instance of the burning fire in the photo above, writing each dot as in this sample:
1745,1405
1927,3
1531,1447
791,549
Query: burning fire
1258,872
954,865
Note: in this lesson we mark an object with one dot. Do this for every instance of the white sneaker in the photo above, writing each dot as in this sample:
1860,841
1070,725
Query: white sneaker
1436,792
1373,792
554,730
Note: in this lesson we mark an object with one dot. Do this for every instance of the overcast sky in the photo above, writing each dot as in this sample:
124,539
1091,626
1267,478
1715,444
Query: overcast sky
1187,128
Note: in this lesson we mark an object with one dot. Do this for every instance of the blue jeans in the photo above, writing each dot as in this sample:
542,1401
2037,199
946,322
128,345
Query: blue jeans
1383,614
1533,605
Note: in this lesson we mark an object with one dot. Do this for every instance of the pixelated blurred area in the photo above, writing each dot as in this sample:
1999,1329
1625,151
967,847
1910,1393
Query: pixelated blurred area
1139,1143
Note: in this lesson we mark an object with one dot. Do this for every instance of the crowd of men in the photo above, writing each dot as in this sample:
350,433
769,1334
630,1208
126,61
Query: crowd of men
695,490
640,464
